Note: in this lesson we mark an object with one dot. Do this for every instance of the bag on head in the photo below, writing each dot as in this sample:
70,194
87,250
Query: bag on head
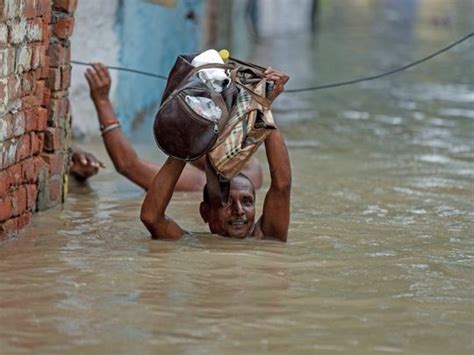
229,129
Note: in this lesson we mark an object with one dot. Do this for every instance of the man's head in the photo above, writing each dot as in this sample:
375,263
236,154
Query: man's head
237,218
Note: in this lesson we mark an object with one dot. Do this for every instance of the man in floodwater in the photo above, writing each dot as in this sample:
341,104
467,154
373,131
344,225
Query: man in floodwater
237,218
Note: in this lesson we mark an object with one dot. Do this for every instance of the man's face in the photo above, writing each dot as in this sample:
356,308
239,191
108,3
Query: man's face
237,219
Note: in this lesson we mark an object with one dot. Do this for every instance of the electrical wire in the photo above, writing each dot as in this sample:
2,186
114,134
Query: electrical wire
349,82
320,87
124,69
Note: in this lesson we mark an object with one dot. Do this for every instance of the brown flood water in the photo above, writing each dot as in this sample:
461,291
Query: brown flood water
380,254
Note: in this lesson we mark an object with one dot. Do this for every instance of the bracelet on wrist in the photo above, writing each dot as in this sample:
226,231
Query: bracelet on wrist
106,123
110,127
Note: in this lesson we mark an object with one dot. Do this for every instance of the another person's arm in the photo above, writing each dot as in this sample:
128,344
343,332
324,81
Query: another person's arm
275,218
157,199
124,157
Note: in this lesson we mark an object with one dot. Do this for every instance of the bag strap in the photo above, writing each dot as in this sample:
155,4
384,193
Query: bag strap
262,100
259,70
218,187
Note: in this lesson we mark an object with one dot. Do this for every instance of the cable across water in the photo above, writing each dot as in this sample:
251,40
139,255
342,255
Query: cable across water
320,87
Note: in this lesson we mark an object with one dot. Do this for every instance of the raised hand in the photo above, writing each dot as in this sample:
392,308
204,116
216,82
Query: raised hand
99,81
279,78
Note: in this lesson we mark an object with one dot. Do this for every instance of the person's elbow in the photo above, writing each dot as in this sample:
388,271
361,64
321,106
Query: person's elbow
151,221
124,167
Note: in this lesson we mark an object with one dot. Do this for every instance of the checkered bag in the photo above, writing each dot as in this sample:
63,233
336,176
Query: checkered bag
250,122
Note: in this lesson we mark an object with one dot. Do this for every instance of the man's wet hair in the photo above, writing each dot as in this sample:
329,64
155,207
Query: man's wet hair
205,191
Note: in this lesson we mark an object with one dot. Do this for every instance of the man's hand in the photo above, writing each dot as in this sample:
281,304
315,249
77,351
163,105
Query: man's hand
99,81
279,78
84,165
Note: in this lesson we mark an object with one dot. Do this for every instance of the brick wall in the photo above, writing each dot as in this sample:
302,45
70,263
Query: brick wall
35,117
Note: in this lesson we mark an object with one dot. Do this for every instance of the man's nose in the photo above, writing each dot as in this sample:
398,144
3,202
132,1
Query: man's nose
237,208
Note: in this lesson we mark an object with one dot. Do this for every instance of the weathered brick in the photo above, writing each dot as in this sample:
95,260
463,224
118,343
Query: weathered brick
45,31
45,67
3,184
18,198
58,110
54,78
6,209
7,58
14,93
19,123
24,220
52,139
6,128
31,193
3,35
34,30
29,171
38,56
37,142
66,77
31,119
46,97
61,94
39,90
59,54
43,8
29,101
56,163
24,147
9,9
9,153
23,59
40,164
29,8
63,28
14,177
4,97
14,87
42,121
65,5
28,82
17,30
8,228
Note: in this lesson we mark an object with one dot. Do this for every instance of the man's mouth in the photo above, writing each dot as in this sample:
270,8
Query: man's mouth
237,223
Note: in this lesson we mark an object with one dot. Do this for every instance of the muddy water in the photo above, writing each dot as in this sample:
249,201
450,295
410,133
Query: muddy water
380,254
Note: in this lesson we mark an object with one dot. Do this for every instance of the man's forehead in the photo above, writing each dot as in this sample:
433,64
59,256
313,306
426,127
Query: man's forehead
242,184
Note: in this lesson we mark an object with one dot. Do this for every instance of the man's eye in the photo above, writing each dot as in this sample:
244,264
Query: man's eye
248,202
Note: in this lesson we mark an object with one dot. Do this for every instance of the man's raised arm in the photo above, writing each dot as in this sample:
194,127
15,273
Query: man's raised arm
275,218
157,199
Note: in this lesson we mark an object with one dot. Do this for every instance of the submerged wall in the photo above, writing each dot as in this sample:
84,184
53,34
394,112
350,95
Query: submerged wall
34,107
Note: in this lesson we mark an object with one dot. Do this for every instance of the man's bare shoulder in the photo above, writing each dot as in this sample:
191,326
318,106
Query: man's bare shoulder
257,232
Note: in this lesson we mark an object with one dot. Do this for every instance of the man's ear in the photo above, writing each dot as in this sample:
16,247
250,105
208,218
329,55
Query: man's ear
204,211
